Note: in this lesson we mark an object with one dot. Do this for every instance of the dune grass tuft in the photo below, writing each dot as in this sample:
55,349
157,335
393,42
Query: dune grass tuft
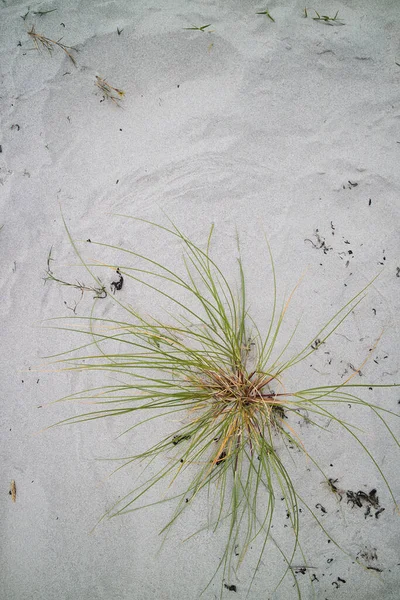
208,368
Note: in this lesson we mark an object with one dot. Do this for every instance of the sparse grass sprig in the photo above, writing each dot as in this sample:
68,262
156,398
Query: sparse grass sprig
208,361
198,28
325,18
48,44
267,13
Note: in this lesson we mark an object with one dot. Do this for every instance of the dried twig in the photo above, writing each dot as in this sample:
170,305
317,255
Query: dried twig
41,41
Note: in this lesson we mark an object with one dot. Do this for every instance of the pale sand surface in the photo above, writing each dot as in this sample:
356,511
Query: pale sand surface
255,125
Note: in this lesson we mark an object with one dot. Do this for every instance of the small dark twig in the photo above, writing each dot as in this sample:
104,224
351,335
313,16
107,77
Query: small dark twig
40,13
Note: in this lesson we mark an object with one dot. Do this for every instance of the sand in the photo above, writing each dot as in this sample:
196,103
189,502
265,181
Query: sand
287,127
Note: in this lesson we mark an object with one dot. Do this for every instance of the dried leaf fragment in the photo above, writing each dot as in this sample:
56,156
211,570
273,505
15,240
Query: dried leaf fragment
13,491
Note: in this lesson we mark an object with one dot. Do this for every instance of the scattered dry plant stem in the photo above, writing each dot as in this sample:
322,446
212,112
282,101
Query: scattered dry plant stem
48,44
112,93
99,291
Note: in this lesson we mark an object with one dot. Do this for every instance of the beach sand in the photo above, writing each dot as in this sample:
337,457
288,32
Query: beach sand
286,127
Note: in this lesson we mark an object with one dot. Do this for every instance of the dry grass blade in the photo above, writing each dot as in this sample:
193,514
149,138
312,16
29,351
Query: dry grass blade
48,44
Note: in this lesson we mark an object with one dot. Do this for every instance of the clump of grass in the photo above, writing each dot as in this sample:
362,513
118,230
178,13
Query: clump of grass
210,362
48,44
111,93
267,13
